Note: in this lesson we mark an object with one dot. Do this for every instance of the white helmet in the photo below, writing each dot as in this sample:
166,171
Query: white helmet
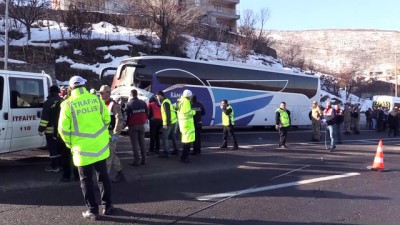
187,93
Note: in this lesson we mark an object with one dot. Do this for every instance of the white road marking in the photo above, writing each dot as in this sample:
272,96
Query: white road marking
272,187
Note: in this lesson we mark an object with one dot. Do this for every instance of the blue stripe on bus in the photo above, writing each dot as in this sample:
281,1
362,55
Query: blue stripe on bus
244,107
229,94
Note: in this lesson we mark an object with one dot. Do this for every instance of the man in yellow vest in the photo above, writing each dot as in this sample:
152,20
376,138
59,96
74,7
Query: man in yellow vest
228,122
282,124
169,120
83,126
186,123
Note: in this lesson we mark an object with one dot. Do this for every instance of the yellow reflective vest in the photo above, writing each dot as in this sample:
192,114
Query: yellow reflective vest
164,116
228,119
185,120
83,125
283,117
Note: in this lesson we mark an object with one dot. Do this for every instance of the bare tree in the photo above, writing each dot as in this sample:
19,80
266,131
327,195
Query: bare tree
347,80
247,24
291,54
78,22
263,17
14,32
169,18
28,11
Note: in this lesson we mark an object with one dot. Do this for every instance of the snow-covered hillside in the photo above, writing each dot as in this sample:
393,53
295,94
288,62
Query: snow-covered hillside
334,49
56,34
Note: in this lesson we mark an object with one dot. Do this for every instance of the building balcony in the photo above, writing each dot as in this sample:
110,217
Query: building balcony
223,13
227,1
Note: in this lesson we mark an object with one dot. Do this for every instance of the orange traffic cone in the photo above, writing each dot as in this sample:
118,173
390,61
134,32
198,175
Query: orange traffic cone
378,164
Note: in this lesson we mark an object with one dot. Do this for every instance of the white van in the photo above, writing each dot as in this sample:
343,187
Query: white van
22,95
386,101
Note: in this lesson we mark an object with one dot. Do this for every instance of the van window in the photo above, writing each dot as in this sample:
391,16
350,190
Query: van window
1,92
26,93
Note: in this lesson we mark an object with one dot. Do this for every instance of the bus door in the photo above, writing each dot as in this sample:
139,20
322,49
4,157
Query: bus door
4,116
27,95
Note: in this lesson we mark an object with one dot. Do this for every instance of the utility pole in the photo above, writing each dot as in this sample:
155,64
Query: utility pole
6,27
395,74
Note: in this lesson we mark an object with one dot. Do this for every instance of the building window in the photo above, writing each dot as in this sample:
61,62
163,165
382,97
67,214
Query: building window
218,8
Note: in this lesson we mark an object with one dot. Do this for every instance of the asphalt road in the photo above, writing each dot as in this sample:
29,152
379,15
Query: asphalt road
257,184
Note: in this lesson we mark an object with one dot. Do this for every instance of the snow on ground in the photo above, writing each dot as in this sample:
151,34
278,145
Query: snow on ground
196,49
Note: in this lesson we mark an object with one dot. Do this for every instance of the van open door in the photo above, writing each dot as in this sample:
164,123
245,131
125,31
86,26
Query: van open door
4,116
26,97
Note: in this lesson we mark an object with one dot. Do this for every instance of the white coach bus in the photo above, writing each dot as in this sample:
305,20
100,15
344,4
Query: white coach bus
254,92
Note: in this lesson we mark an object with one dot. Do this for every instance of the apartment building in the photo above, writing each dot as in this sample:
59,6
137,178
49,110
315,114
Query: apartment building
217,13
90,5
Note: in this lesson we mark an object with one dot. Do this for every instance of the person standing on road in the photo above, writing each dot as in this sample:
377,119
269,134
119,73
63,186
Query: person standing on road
68,168
315,117
169,119
114,128
338,123
49,120
347,118
393,121
228,122
355,119
379,119
200,111
136,111
330,120
282,124
368,118
83,126
155,121
185,115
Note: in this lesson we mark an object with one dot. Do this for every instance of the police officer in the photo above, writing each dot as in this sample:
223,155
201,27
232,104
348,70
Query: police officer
200,111
48,121
169,119
315,117
186,123
282,124
137,112
83,125
347,118
355,119
228,122
114,128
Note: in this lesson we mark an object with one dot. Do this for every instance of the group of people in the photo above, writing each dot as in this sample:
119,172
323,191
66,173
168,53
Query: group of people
334,118
379,118
83,128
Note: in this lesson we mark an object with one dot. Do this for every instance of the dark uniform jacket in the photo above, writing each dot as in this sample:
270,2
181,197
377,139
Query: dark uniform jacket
137,112
50,115
200,111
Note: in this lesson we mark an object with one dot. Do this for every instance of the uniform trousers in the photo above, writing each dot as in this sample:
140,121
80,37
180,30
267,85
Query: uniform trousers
229,130
87,186
136,134
197,141
53,151
282,135
66,160
113,160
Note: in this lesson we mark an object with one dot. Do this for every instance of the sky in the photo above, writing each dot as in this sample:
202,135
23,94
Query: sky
328,14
